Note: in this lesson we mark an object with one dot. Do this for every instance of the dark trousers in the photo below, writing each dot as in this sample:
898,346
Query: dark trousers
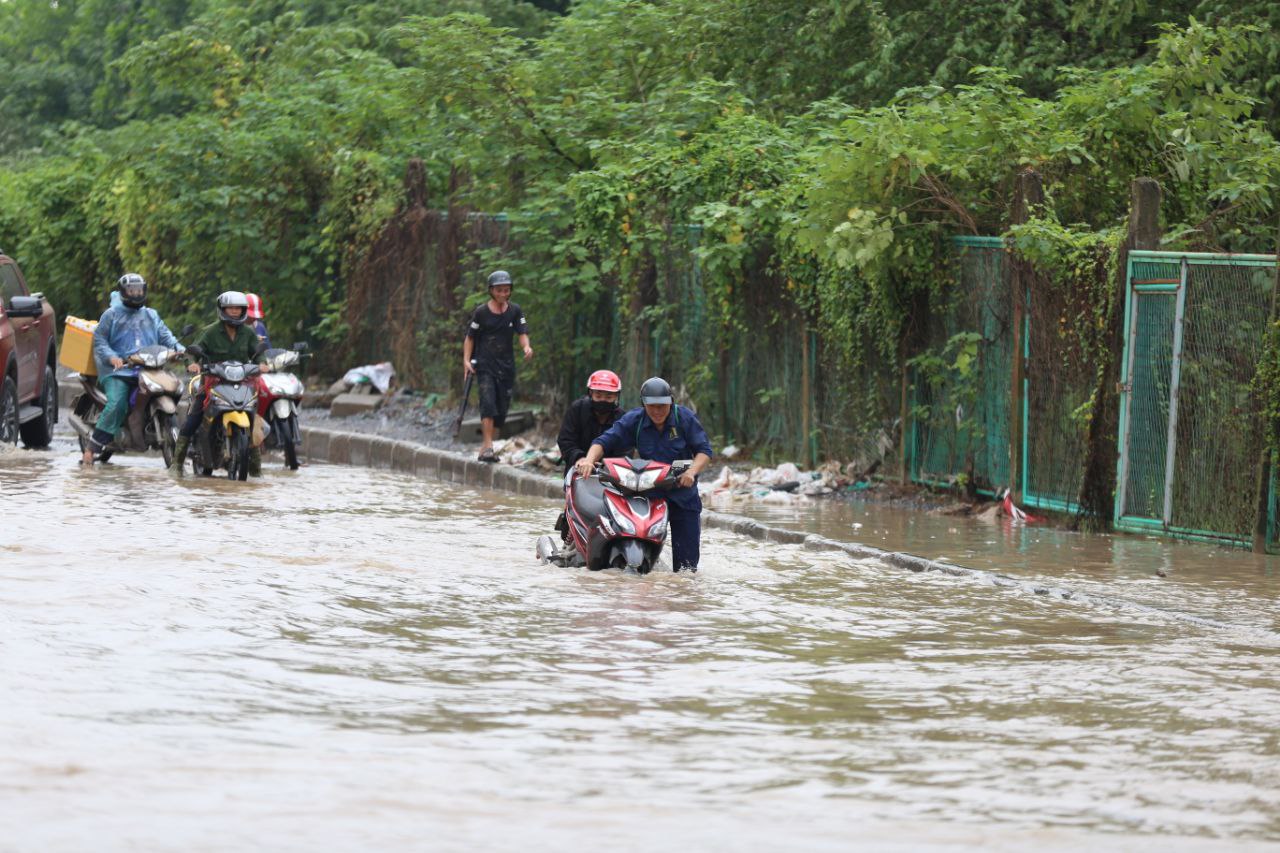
495,395
686,536
194,414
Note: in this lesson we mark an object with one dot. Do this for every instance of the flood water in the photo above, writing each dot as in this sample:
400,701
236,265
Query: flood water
341,659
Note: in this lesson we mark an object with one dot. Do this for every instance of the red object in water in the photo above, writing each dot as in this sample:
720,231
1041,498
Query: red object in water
1015,512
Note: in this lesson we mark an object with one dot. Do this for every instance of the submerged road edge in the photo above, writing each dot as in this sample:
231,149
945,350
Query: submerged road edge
419,460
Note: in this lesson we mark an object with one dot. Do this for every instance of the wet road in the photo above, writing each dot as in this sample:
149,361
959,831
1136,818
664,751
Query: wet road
344,659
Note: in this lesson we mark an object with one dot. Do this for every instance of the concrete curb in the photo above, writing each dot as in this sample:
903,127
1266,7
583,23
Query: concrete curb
418,460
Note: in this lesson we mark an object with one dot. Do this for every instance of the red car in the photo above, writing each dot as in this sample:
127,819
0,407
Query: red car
28,359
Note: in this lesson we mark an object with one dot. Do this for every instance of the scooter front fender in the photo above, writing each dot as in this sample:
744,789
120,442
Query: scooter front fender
240,419
634,555
282,408
166,404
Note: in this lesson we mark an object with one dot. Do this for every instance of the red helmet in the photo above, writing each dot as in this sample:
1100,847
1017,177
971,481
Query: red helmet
255,306
604,380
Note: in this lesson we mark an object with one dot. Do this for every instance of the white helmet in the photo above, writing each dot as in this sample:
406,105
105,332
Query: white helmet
233,299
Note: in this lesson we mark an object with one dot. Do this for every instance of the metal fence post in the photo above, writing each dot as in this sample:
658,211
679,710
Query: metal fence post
1175,379
1028,197
1263,522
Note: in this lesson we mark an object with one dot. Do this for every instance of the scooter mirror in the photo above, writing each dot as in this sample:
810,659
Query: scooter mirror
260,349
300,347
196,351
188,329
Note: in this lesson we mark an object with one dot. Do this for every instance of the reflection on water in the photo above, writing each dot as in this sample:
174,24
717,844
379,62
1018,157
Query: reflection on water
342,658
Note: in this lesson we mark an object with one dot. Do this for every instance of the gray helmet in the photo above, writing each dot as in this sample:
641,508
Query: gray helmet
133,289
499,277
655,391
233,299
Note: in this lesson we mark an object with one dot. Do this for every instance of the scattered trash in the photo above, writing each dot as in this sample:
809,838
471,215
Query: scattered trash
784,484
523,453
729,452
1013,511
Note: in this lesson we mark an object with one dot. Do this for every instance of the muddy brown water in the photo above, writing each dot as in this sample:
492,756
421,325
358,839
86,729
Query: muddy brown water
344,659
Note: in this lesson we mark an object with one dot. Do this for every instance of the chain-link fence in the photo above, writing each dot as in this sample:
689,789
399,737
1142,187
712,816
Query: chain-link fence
1189,430
960,399
1059,381
1194,325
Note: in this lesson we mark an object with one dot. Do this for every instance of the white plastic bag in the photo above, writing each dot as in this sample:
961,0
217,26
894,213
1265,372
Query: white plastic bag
379,375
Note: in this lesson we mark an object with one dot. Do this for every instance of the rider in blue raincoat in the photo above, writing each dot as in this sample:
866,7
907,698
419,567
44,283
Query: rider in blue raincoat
126,327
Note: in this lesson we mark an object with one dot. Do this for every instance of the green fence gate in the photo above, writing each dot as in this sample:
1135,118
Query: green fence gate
1188,441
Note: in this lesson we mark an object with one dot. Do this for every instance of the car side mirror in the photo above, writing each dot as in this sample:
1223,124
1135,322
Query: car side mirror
25,306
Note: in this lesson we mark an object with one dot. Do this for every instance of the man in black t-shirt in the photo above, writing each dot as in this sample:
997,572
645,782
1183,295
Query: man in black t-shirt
488,343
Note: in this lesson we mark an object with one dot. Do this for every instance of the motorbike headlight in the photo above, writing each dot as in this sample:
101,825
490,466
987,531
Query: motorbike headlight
233,373
659,528
647,480
623,523
625,476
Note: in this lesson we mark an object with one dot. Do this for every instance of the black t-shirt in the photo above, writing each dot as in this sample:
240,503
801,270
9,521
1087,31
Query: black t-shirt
493,334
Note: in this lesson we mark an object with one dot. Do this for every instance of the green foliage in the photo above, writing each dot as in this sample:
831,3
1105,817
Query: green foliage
803,164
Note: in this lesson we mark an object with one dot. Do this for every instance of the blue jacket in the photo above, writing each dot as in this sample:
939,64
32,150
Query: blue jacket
122,331
261,328
681,438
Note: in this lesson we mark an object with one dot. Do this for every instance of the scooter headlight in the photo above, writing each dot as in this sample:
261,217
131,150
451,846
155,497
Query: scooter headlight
623,523
626,477
647,480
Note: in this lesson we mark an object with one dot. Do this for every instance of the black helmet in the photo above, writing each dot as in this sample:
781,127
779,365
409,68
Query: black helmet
499,277
233,299
655,391
133,289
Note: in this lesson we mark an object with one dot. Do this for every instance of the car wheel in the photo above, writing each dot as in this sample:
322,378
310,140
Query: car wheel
39,432
8,411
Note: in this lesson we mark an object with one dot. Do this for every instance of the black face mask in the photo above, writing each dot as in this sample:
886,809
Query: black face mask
602,407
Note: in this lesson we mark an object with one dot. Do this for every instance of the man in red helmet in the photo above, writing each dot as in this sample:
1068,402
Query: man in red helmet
586,420
589,416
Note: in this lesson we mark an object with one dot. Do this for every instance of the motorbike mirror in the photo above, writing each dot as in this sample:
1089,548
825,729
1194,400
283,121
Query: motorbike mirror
196,351
260,348
187,330
300,347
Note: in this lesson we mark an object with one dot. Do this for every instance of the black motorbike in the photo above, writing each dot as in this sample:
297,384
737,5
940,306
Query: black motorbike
225,436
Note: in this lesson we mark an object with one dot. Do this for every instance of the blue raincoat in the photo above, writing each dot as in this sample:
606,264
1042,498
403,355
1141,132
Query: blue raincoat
122,331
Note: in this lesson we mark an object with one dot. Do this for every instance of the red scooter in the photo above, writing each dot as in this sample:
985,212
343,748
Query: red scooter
279,397
614,519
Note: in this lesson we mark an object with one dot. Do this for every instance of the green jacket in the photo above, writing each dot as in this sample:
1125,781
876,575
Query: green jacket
218,346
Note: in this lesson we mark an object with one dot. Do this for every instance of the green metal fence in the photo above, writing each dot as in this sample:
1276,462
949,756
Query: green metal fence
1188,440
960,405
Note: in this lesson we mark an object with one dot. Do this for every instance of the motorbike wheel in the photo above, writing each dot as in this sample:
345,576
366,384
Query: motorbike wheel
238,453
167,434
289,441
